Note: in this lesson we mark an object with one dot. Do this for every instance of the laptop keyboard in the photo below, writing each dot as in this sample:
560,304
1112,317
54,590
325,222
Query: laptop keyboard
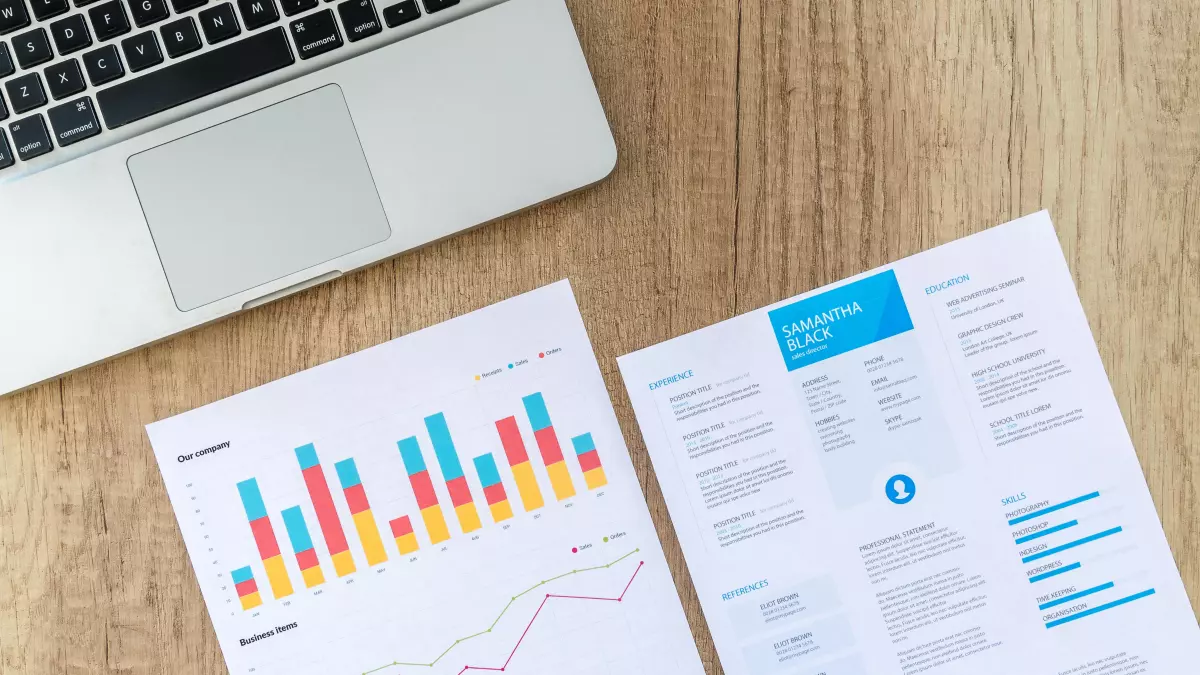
73,70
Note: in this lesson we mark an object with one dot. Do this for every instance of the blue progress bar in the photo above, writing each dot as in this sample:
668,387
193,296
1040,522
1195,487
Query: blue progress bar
1054,573
1078,542
1052,530
1051,509
1101,608
1076,596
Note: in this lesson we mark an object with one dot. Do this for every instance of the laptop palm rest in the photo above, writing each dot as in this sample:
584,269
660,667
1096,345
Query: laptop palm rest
258,198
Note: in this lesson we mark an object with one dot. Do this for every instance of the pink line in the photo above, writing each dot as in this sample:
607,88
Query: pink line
528,626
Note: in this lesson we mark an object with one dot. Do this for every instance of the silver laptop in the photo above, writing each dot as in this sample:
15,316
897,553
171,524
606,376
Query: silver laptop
166,163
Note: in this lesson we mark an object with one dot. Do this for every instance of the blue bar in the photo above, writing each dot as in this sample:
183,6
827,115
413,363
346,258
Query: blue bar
535,408
485,466
347,472
1101,608
307,454
297,529
1054,573
252,500
1052,530
241,575
583,444
443,447
1076,596
1078,542
410,452
1051,509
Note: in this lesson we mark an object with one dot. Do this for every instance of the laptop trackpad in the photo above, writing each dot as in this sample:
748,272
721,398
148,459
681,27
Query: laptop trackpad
259,197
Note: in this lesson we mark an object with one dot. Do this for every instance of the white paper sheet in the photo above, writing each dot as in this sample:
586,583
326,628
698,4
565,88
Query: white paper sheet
919,470
290,497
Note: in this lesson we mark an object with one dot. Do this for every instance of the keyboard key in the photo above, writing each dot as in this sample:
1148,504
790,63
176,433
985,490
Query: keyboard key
179,37
258,13
83,3
219,23
6,64
141,51
65,79
199,76
74,121
13,15
3,110
109,20
6,156
291,7
402,13
103,65
316,34
32,48
25,92
182,6
146,12
71,34
30,138
432,6
44,9
359,18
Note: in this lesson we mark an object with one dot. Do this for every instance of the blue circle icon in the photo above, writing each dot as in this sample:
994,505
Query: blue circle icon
900,489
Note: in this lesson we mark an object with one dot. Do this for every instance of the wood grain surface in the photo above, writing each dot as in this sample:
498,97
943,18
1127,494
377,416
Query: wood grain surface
767,147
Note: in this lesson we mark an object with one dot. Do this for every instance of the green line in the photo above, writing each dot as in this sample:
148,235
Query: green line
501,616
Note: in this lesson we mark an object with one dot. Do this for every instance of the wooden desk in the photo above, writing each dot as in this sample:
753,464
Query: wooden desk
766,148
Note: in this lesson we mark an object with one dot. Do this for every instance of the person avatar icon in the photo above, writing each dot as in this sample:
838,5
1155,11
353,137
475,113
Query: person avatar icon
900,489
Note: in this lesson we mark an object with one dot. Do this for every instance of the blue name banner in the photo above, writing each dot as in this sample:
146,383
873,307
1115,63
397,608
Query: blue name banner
840,320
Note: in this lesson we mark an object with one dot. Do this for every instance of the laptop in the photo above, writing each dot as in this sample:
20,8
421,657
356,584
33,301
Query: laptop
168,163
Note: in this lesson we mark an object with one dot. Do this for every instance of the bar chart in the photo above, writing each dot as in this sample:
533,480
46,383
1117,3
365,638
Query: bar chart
246,588
457,497
452,471
264,538
518,462
302,545
547,442
436,530
322,501
360,510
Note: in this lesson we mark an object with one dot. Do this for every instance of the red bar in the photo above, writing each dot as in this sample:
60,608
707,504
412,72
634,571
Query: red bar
423,490
246,588
264,536
494,493
589,460
401,526
322,500
510,437
307,559
460,492
356,499
548,443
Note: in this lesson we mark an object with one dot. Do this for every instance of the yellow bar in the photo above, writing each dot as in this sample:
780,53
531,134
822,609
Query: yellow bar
501,511
281,585
560,480
407,543
368,532
251,601
435,523
468,517
595,478
313,576
531,494
343,563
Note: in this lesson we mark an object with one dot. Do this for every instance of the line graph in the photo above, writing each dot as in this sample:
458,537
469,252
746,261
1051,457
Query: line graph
528,626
